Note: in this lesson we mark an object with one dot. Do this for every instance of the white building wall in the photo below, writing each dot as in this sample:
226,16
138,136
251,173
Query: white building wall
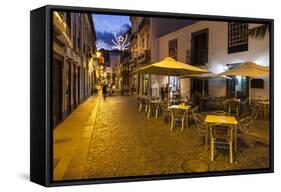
258,52
159,26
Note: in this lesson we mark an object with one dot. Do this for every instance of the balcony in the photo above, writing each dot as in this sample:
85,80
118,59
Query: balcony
59,23
145,21
144,58
60,28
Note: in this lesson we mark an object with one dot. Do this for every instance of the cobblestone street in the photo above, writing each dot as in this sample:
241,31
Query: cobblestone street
117,140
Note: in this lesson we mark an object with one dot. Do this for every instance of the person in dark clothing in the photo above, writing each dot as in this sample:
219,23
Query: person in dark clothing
104,91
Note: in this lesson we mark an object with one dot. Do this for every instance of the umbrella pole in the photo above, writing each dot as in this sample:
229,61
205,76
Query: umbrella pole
203,91
168,91
235,87
249,91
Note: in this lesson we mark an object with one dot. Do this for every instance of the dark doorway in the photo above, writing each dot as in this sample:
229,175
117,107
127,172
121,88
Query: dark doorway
68,90
57,91
197,86
83,84
199,47
79,81
199,57
237,87
230,87
74,87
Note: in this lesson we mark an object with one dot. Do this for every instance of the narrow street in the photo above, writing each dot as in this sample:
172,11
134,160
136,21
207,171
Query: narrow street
112,138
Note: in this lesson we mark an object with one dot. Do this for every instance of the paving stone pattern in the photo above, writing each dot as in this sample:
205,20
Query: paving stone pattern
124,143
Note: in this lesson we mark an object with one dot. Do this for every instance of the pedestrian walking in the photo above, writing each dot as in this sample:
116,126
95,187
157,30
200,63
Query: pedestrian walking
104,91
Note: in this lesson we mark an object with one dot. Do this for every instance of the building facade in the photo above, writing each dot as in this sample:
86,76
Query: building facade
145,49
217,46
74,62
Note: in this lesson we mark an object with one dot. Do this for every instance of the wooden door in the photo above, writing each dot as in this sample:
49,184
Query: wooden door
57,91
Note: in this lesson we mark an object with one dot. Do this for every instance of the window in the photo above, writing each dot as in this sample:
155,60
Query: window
68,22
79,43
147,42
200,47
74,35
188,56
237,37
173,49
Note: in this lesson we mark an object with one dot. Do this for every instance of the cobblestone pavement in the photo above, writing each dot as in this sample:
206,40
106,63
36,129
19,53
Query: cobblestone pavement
124,143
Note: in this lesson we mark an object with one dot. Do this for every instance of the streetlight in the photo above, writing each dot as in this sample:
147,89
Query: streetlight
98,54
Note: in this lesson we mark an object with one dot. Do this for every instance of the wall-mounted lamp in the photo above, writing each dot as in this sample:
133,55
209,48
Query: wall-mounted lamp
225,68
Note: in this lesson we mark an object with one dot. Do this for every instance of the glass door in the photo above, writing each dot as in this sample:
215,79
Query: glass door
237,87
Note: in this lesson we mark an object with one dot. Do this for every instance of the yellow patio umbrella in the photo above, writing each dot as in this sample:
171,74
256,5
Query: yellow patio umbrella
248,69
170,67
204,76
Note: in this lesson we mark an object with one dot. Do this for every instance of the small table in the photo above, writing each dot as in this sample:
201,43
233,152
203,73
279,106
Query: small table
180,107
144,97
219,119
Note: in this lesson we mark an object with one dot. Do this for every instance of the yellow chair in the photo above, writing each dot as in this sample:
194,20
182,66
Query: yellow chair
178,115
223,135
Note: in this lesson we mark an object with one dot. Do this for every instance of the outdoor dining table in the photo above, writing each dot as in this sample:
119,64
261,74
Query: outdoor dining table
144,97
220,119
180,107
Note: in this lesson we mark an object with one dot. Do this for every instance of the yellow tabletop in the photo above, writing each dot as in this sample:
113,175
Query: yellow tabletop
144,97
183,107
263,102
155,101
220,119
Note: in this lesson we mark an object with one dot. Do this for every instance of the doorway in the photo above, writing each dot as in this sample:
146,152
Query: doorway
145,84
199,47
78,82
197,85
199,57
57,91
237,87
68,88
74,87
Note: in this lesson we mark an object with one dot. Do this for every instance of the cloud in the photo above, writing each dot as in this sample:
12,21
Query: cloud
106,26
104,38
125,27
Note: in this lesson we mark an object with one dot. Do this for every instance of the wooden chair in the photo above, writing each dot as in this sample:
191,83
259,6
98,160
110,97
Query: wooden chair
244,104
256,110
143,102
224,106
202,127
178,115
191,113
266,111
222,135
219,113
243,127
165,112
233,105
153,107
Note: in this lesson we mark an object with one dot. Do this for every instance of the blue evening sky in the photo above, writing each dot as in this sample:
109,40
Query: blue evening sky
105,25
